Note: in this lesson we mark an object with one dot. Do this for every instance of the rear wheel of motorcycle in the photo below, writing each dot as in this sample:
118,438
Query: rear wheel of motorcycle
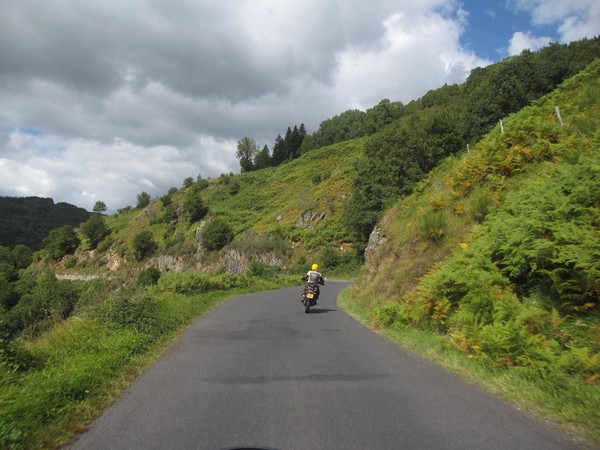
306,306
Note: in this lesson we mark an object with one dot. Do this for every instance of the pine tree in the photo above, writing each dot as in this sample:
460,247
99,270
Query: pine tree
295,143
262,159
279,152
287,144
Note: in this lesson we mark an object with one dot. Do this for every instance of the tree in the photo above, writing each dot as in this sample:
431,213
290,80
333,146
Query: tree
216,235
262,159
61,241
143,199
193,205
381,115
246,152
95,230
7,264
295,143
395,159
279,152
144,244
100,207
287,143
8,295
22,256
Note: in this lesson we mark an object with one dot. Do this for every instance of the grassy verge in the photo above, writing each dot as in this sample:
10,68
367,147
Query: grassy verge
571,404
82,364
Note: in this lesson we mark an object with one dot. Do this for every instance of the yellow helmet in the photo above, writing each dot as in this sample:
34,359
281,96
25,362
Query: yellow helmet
315,267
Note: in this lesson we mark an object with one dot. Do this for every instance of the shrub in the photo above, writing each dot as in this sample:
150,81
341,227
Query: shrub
194,282
186,282
260,270
329,258
8,295
433,225
481,205
216,235
148,277
202,184
128,308
169,214
234,187
61,241
544,237
22,256
253,243
194,206
95,230
144,244
70,262
143,200
387,316
44,300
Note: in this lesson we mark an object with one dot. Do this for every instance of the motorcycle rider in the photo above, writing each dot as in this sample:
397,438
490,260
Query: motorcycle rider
314,276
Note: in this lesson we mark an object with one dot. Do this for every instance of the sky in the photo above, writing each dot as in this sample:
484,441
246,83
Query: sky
103,99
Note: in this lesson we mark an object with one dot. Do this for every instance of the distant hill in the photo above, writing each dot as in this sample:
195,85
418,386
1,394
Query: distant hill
28,220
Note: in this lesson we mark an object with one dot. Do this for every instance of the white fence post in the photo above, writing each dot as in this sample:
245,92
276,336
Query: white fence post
557,111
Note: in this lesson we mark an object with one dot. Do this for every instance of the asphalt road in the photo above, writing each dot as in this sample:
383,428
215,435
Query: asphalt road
258,371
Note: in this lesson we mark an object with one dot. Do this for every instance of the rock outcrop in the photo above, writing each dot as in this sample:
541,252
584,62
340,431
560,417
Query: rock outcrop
308,218
376,239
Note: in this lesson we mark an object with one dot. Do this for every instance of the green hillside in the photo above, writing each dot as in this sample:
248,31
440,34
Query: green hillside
498,250
262,208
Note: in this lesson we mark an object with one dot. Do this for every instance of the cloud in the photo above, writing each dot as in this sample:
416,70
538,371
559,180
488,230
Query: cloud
414,53
575,19
43,165
521,41
135,95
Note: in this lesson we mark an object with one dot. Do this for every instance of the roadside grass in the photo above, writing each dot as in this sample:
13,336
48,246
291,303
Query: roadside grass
569,403
69,374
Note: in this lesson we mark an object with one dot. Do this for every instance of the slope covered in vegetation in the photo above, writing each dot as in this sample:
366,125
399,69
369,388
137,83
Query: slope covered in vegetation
447,120
499,249
268,212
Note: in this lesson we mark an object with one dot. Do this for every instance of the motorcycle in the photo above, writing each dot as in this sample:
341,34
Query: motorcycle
310,294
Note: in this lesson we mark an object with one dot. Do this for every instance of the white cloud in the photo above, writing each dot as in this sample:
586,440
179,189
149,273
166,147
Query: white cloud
521,41
85,171
416,54
575,19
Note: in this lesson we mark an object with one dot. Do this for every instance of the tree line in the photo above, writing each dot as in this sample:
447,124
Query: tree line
348,125
285,149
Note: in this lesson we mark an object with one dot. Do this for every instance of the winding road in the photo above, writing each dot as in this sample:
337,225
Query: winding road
258,372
